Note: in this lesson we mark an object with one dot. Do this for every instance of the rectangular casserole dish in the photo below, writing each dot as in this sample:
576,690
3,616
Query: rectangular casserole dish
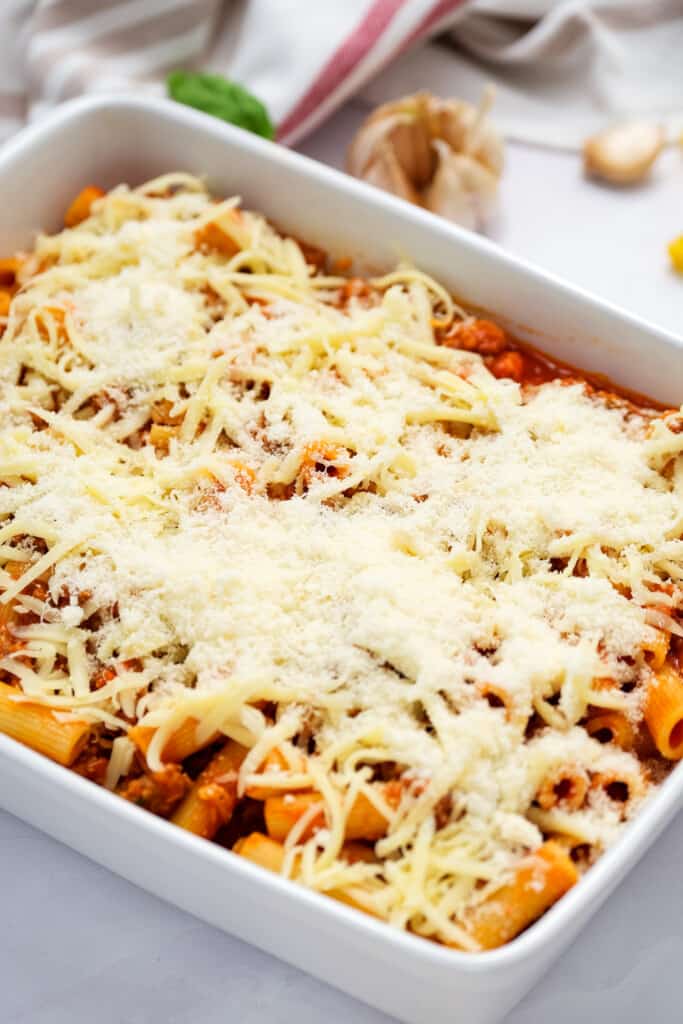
107,141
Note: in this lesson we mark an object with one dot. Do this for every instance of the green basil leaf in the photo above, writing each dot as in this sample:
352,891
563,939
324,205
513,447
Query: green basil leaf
227,100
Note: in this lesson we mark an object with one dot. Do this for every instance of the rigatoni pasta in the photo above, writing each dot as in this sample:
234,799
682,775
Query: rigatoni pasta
327,570
538,881
211,800
40,728
664,711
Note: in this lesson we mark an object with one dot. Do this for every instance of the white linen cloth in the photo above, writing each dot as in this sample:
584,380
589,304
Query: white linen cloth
562,67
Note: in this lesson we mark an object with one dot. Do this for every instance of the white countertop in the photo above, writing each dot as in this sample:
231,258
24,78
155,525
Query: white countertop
78,944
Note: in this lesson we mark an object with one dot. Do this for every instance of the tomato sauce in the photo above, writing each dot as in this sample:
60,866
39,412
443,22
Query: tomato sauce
506,357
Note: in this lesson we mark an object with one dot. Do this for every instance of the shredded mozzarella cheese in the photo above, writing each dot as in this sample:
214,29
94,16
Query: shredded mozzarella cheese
335,514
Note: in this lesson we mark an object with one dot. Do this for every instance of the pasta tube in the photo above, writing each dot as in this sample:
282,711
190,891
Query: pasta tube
567,786
270,854
275,762
663,712
212,236
620,786
611,727
539,881
261,850
213,795
283,812
9,268
364,821
656,650
37,727
80,207
178,746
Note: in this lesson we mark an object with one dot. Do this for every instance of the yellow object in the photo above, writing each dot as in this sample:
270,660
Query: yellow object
676,254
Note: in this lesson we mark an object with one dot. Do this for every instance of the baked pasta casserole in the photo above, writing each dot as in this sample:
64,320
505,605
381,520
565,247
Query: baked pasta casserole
327,570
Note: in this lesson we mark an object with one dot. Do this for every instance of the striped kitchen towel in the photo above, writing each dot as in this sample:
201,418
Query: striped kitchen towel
562,66
302,59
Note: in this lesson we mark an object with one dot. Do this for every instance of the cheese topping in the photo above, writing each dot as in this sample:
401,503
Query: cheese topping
242,482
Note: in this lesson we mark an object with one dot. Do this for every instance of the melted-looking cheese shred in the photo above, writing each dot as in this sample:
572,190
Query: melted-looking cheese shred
355,523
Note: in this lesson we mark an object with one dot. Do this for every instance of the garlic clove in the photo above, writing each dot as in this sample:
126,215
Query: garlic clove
404,127
623,154
412,145
386,173
462,190
467,129
449,120
368,141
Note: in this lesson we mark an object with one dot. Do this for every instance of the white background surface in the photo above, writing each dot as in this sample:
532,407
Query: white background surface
78,944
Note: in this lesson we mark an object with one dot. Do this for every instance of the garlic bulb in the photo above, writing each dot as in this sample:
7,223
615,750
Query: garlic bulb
624,153
441,154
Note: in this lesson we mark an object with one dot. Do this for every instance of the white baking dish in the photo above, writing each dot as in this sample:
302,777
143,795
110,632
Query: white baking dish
106,141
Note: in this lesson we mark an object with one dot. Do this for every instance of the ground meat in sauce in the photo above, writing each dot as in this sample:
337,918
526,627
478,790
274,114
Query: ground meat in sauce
158,792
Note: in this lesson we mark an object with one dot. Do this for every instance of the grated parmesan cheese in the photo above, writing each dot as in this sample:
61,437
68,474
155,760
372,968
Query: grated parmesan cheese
428,547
